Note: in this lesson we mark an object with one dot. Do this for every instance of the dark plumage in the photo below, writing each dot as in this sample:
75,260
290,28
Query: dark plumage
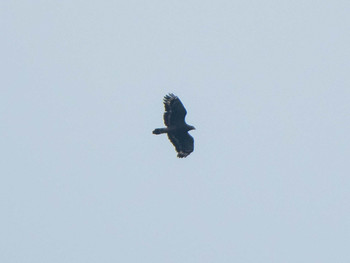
177,129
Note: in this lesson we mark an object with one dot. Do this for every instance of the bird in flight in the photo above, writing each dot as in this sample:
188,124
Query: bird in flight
176,127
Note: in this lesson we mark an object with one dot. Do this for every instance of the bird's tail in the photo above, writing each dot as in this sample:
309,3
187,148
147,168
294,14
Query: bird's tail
160,131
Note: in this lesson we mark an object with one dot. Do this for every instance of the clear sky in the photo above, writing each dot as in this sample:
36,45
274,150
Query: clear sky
266,84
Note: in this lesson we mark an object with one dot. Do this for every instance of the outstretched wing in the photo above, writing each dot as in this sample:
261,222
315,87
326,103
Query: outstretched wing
183,142
175,111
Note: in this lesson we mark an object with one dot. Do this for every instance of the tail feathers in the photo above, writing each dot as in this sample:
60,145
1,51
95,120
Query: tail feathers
160,130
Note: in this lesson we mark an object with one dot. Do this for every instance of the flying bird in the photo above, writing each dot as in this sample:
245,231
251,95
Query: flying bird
176,127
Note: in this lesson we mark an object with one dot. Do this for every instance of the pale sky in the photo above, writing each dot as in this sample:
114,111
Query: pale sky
265,83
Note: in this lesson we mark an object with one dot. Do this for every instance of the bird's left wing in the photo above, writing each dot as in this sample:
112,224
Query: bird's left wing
183,142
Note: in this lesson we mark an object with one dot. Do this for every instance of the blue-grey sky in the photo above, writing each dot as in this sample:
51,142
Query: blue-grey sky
266,84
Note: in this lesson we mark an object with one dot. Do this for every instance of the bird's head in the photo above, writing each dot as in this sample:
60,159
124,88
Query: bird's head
191,128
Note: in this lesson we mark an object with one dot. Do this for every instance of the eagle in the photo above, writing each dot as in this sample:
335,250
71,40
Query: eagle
176,127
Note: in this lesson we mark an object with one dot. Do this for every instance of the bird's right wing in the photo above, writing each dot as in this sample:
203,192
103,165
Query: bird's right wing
175,111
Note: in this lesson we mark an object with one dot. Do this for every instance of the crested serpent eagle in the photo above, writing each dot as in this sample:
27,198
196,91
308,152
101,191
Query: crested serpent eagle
176,127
